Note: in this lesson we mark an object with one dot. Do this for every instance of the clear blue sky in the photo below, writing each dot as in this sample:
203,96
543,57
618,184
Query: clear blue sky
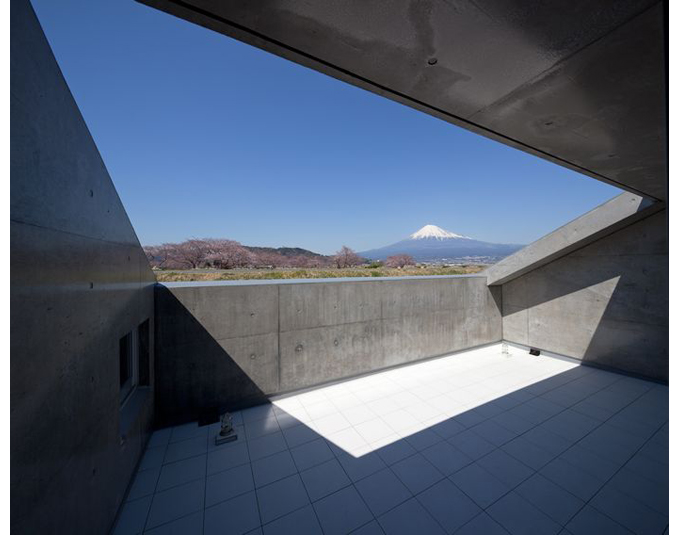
207,137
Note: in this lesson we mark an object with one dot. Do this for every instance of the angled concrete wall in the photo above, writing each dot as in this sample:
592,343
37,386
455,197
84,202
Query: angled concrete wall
229,345
617,213
79,282
606,303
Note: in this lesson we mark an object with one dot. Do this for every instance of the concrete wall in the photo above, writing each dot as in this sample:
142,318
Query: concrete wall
79,282
606,303
611,216
229,345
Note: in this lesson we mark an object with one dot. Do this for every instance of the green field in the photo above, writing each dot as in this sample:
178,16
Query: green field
310,273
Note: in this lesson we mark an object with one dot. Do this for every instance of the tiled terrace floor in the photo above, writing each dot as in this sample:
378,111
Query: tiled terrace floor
473,443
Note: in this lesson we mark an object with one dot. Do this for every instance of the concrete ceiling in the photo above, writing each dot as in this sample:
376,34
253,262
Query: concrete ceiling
581,83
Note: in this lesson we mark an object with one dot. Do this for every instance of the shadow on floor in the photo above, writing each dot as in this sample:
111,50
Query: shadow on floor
584,451
196,378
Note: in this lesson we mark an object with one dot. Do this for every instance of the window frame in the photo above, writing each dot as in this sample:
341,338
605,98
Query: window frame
131,341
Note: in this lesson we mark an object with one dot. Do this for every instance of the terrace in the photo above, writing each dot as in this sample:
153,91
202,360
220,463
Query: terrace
361,406
481,441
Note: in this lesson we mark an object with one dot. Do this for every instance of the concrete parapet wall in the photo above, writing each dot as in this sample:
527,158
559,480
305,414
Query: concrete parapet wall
231,345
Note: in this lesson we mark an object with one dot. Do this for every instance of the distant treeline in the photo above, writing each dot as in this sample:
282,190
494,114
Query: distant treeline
230,254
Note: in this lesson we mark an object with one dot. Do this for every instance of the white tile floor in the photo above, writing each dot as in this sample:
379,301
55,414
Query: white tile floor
474,443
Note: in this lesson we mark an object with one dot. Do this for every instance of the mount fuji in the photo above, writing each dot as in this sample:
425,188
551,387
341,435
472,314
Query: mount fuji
434,244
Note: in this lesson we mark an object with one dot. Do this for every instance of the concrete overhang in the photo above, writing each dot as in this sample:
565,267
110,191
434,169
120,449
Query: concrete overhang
615,214
581,83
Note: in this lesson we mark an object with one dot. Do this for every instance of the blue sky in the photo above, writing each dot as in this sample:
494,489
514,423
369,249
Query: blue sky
207,137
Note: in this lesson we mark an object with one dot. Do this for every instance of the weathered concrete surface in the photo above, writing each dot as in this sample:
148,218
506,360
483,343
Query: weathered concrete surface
79,282
582,84
226,346
603,220
606,303
215,347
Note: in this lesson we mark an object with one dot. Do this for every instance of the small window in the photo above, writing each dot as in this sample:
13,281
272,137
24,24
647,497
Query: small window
127,357
144,373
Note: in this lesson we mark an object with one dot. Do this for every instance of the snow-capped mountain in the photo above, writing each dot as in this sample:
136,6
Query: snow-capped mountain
433,231
432,243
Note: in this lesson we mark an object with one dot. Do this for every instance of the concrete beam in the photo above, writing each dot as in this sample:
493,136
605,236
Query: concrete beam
606,219
586,88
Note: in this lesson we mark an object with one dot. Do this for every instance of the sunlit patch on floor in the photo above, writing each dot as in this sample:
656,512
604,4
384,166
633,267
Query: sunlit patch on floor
367,413
470,443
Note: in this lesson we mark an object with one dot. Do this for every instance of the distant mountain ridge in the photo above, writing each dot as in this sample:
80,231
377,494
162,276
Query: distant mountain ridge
432,243
285,251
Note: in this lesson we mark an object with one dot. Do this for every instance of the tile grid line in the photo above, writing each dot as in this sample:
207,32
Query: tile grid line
352,483
189,438
292,447
311,503
484,419
155,488
446,476
415,496
586,502
537,471
481,380
574,444
252,474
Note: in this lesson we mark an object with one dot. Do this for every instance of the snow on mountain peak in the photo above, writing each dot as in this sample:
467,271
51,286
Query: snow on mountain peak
433,231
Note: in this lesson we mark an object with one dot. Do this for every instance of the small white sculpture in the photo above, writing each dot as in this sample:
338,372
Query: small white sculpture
226,433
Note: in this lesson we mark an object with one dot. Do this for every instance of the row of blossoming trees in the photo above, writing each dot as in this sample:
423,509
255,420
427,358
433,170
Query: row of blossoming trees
229,254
